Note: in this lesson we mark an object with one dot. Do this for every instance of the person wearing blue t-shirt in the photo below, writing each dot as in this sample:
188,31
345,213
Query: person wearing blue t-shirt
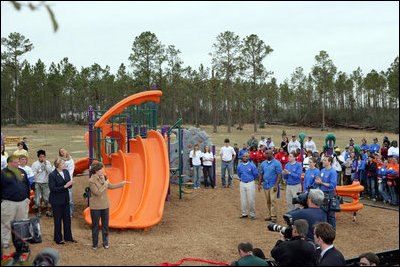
292,175
374,147
327,183
313,214
310,175
241,152
270,175
247,172
364,145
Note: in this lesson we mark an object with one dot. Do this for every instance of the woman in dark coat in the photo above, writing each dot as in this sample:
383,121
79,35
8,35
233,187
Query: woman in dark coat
59,183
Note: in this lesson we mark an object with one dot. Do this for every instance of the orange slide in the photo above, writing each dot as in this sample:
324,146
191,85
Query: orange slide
350,191
81,165
139,204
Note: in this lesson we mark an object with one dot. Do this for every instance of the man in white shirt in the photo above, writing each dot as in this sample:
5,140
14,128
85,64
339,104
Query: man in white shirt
42,168
227,155
310,145
293,144
338,160
262,142
22,164
394,149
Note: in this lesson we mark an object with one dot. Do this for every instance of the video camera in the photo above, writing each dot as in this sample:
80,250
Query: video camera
329,204
286,231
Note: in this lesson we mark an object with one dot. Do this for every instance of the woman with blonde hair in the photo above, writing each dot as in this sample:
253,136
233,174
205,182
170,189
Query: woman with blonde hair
59,182
195,165
70,167
99,202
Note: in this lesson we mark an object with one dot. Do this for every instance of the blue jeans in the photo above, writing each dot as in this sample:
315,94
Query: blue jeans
71,202
196,175
393,195
224,166
382,191
371,180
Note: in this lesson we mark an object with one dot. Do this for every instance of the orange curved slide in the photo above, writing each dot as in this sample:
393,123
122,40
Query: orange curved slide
81,165
139,204
350,191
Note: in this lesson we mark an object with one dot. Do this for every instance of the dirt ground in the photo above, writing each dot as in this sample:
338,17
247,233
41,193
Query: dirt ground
204,224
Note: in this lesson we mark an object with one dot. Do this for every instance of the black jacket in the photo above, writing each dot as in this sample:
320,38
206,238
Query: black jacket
332,257
12,188
295,252
58,194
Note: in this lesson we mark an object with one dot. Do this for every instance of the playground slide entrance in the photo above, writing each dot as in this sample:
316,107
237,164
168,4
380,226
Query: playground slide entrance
140,203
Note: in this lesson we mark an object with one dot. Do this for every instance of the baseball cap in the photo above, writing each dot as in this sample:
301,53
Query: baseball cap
347,146
351,139
263,137
293,135
269,138
337,149
310,136
375,139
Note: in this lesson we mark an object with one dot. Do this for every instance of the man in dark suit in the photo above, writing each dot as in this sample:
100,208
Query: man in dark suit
296,251
324,234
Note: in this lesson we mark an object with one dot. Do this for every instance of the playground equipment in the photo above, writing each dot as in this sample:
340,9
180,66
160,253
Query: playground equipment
330,141
352,190
139,157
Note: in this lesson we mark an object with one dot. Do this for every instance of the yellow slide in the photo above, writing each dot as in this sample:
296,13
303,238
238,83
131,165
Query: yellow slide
139,204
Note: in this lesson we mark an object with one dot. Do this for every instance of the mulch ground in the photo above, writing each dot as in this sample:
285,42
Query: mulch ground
206,225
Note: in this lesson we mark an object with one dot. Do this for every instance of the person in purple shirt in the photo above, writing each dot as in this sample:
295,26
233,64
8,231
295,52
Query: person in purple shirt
292,175
327,182
247,172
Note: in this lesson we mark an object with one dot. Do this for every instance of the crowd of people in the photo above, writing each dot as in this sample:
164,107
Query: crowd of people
301,168
52,186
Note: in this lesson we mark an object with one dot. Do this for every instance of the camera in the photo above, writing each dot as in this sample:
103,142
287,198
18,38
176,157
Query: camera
301,199
286,231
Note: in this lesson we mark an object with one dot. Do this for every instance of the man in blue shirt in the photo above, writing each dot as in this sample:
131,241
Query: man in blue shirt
270,174
364,145
247,172
375,147
313,214
292,175
327,183
241,152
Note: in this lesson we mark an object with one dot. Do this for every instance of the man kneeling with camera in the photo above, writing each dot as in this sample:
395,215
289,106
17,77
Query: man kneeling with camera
296,250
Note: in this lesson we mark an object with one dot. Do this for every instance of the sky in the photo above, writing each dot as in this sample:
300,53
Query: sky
354,34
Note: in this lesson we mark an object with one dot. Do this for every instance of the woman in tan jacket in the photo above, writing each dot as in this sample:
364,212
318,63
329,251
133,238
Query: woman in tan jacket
99,202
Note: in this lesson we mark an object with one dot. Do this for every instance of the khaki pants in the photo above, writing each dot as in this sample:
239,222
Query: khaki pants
42,190
12,211
272,206
291,192
248,193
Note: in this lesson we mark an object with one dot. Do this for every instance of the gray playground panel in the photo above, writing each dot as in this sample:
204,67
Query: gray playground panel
190,137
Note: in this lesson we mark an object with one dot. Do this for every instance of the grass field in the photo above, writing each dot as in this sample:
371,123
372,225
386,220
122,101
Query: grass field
205,224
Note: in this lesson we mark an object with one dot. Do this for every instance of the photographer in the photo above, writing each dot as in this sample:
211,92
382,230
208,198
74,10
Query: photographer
313,214
296,251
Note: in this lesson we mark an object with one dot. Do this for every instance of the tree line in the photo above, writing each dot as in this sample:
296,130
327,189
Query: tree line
237,89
